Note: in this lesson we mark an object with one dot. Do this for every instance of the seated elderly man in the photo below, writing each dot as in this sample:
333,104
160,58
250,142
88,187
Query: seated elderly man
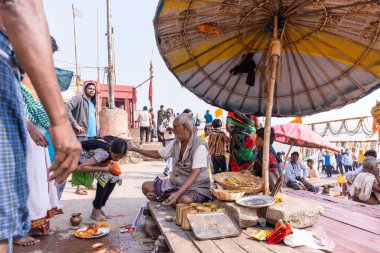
190,180
366,188
294,178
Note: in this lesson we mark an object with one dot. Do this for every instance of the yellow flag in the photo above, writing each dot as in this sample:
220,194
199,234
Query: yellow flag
340,179
197,116
297,120
218,113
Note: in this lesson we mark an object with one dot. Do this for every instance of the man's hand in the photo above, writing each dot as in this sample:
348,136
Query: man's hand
165,124
37,136
67,150
80,129
172,200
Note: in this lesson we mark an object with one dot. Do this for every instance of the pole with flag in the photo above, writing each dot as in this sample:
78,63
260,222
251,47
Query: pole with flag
76,13
150,95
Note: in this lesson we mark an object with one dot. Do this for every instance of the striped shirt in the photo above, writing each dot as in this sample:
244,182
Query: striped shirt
217,143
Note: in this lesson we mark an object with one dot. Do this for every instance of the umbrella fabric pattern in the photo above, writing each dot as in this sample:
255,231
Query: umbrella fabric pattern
220,50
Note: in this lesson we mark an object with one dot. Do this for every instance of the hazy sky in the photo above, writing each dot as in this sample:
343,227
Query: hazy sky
134,42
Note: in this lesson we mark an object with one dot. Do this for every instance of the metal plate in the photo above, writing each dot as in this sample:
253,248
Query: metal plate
215,225
256,201
101,232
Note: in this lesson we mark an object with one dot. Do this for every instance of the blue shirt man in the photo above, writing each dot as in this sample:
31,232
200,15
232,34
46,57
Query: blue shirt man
91,127
208,117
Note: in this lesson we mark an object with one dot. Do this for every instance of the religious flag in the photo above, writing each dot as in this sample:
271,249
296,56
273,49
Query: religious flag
297,120
76,12
218,112
150,96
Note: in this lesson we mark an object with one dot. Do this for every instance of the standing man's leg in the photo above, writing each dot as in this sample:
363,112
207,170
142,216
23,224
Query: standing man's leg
340,168
159,133
215,164
320,162
14,191
223,164
147,134
141,135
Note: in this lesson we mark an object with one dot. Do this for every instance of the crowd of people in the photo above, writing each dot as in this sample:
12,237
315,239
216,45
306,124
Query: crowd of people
41,139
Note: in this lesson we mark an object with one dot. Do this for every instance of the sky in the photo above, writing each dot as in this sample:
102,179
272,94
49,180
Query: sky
134,44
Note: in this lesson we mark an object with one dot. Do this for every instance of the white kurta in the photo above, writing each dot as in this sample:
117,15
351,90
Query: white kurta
42,194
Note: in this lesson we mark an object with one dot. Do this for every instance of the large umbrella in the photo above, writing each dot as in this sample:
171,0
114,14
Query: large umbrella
290,57
301,136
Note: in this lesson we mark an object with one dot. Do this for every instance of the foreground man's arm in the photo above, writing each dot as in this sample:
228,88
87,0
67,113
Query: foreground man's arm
27,29
145,152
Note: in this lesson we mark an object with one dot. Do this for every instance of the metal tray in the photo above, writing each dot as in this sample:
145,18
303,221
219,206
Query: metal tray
256,201
215,225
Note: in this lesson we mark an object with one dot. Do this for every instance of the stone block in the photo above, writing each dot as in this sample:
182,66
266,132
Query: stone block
244,217
299,213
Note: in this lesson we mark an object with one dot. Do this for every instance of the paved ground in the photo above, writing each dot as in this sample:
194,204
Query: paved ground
123,206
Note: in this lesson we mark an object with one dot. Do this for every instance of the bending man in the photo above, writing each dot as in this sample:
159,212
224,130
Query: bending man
190,180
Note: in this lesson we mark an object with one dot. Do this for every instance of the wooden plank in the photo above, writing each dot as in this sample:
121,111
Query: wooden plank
348,238
228,246
165,227
370,210
250,245
207,246
178,241
159,216
346,216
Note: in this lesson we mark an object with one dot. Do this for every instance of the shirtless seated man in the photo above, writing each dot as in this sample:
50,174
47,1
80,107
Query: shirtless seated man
190,180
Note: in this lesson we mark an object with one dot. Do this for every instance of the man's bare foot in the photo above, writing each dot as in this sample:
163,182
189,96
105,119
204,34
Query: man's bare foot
104,214
97,215
25,241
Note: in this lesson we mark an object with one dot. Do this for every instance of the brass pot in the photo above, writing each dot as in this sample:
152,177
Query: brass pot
76,219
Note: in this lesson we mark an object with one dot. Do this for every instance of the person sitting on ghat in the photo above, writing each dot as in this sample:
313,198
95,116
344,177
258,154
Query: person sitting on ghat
190,180
366,188
313,173
350,176
294,179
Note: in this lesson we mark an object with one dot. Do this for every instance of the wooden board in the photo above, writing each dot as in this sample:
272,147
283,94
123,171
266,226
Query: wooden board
180,242
370,210
348,238
228,246
334,209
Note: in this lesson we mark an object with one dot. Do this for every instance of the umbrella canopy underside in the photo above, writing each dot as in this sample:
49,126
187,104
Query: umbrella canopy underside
330,52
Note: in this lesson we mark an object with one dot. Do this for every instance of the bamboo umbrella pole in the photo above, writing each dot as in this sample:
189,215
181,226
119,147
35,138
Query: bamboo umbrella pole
275,52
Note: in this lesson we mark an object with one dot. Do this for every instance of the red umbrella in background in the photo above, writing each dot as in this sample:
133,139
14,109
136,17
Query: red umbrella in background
301,136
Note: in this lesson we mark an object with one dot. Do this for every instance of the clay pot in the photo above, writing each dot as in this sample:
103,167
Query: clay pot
76,219
99,248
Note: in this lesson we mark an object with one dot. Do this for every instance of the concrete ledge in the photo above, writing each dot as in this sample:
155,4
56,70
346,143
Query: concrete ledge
245,217
299,212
